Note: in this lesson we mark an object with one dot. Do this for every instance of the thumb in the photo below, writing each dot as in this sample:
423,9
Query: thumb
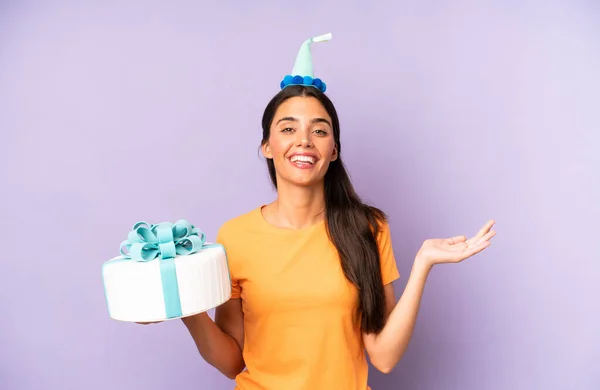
456,240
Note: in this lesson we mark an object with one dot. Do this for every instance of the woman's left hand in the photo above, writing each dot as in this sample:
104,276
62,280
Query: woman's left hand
455,249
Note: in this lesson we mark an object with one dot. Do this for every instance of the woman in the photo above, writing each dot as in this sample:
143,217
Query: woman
312,272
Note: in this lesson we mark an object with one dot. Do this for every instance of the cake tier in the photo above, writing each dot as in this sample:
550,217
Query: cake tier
134,289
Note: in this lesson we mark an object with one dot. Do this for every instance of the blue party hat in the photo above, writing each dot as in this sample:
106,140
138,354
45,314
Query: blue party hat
303,73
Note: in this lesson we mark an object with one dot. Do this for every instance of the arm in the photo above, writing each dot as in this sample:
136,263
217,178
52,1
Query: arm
387,348
220,342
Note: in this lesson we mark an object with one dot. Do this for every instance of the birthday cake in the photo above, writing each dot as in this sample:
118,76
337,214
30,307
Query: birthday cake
165,271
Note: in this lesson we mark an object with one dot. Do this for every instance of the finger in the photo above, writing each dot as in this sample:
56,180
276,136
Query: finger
485,229
456,240
486,237
489,235
477,248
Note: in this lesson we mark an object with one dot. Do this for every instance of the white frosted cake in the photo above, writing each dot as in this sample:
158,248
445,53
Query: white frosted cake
165,271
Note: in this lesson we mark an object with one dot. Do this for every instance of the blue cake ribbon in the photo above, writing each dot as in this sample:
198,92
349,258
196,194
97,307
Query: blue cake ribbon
164,241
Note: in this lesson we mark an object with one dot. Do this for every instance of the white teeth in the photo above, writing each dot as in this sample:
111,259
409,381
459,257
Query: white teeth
307,159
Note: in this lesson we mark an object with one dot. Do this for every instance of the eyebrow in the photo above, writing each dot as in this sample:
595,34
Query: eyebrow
314,120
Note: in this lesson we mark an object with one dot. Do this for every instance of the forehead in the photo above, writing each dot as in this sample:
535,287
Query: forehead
301,107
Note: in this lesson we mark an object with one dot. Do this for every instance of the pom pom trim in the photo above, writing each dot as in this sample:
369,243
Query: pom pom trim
303,80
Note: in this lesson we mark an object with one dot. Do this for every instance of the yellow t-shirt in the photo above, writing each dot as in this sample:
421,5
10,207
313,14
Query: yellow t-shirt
299,327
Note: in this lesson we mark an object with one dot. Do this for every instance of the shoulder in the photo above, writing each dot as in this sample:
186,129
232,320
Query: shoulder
237,238
378,221
238,225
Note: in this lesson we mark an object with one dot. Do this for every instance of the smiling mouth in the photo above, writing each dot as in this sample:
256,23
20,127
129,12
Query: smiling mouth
303,159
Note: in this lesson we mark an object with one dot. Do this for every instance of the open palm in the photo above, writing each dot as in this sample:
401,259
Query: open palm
456,249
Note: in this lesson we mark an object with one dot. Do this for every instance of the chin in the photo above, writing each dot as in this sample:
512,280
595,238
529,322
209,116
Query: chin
304,181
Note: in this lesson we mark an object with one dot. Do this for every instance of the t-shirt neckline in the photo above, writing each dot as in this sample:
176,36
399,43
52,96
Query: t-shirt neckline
278,229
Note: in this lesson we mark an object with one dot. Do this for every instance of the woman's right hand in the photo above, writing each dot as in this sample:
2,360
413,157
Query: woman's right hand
220,342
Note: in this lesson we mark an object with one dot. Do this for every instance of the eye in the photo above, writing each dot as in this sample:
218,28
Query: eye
287,130
321,132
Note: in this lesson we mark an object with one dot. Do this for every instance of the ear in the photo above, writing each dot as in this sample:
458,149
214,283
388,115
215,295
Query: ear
334,154
266,150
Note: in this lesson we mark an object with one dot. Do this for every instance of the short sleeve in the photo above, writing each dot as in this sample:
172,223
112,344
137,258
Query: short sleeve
389,269
235,286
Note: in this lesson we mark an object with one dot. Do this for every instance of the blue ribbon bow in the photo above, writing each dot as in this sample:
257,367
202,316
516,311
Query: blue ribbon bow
164,241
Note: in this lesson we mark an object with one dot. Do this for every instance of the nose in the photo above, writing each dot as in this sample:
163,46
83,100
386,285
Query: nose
303,140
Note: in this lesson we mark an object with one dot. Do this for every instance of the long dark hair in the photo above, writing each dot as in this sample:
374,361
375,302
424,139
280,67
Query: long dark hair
352,225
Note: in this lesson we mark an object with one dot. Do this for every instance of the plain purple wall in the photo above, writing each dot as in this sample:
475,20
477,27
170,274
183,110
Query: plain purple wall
452,113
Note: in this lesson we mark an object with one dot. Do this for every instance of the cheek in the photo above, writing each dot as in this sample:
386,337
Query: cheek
278,147
327,151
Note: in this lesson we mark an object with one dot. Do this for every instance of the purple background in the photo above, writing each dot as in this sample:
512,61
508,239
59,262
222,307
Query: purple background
452,113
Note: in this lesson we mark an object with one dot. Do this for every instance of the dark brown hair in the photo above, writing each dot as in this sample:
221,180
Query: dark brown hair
351,224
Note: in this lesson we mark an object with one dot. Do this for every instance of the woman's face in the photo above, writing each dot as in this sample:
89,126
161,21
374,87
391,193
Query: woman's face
301,142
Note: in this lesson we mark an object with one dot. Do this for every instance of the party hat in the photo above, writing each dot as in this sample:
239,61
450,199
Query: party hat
303,73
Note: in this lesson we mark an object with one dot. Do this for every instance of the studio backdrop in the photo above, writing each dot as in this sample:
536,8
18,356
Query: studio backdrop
452,113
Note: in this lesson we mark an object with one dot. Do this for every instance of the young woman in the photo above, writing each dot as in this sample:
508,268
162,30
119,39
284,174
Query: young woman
312,272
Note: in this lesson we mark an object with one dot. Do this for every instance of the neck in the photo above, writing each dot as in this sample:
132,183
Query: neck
297,207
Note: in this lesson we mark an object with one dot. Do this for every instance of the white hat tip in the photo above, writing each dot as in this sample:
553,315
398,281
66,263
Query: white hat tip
322,38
